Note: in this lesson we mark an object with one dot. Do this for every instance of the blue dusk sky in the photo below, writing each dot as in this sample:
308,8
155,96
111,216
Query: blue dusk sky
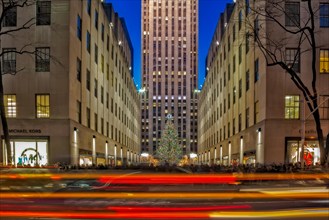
209,12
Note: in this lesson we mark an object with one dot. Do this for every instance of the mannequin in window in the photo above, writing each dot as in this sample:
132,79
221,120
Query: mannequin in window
308,158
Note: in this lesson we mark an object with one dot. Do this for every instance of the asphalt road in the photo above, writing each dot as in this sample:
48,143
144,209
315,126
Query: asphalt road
90,198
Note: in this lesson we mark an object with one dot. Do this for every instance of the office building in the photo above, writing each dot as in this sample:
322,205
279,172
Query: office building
253,113
73,100
169,71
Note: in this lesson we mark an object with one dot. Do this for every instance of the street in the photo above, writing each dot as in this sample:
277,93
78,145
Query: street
131,194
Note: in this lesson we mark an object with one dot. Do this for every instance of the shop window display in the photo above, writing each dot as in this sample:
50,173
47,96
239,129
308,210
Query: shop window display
235,159
85,158
250,159
225,161
100,161
311,152
29,153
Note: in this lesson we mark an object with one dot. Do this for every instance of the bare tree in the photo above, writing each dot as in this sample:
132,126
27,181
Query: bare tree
8,27
274,24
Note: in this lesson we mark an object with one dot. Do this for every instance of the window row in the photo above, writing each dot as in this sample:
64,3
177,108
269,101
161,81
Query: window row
292,14
43,13
42,105
292,59
42,60
292,106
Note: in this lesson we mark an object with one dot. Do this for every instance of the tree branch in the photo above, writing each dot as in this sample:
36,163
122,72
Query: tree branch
25,26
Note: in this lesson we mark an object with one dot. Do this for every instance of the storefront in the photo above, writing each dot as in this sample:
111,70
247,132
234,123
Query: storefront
29,152
294,151
85,158
111,160
235,159
100,159
225,161
249,157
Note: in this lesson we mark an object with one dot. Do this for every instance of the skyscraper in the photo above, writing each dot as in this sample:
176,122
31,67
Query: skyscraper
169,70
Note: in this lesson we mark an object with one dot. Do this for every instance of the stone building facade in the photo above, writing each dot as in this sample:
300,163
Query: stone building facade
73,100
250,112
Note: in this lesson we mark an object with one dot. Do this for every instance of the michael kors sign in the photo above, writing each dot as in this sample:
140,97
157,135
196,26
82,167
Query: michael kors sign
25,131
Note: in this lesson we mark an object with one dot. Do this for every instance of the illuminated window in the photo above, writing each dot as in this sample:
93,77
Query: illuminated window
291,107
10,105
324,61
43,106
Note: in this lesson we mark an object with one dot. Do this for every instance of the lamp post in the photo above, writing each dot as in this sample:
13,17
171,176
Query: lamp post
106,153
75,158
94,155
121,155
115,155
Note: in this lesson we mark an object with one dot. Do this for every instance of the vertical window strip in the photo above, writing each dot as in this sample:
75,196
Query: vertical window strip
43,106
324,61
10,106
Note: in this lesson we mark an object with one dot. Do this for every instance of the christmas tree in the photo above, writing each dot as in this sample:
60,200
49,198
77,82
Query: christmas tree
169,149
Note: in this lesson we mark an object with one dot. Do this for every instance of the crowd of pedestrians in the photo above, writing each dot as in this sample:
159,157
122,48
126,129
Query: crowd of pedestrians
197,168
206,168
243,168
